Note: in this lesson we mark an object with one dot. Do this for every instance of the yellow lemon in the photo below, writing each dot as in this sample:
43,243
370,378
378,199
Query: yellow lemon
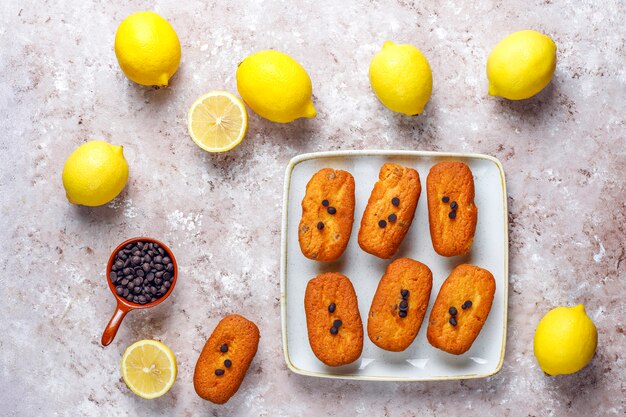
95,173
275,86
217,121
149,368
401,78
565,340
147,49
521,65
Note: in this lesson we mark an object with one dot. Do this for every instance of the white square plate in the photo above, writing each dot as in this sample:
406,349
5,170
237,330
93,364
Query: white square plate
420,361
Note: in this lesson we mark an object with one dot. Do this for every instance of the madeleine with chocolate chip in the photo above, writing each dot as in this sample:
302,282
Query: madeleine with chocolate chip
327,215
390,210
225,358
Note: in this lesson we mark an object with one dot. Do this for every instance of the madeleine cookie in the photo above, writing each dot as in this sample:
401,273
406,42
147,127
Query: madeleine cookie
390,210
451,210
226,356
461,308
333,320
399,304
327,215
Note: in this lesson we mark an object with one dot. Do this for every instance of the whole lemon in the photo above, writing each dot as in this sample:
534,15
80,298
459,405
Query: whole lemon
565,340
521,65
147,49
401,78
95,173
275,86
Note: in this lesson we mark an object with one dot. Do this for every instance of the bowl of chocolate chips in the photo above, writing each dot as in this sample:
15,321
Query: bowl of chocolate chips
141,273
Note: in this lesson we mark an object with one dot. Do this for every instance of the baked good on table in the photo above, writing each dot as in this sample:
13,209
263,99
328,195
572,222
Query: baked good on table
390,210
327,215
333,320
461,308
452,213
225,358
399,304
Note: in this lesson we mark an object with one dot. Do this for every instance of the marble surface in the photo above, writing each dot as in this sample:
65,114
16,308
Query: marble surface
60,85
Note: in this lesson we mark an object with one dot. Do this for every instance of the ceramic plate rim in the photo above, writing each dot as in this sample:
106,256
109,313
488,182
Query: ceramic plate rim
283,258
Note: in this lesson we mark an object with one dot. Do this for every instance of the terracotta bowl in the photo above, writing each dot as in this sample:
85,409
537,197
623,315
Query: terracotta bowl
123,305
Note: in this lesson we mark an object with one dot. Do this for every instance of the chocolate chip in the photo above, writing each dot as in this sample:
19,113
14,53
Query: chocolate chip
333,330
320,225
337,323
404,305
228,363
452,214
452,321
332,307
219,372
224,348
395,201
325,203
392,217
113,276
382,224
452,311
454,205
402,313
331,210
119,290
404,294
466,304
445,199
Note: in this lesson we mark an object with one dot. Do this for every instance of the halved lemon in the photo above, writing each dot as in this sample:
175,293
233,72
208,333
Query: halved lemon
149,368
217,121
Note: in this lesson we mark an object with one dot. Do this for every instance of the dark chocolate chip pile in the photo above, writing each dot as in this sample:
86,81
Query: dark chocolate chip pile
227,362
142,272
453,207
404,304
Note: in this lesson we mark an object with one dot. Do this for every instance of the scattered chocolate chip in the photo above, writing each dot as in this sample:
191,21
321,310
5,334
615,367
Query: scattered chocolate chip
466,304
382,224
392,217
445,199
320,225
452,321
404,305
224,348
452,214
331,210
452,311
454,205
395,201
333,330
402,313
337,323
332,307
219,372
404,293
228,363
325,203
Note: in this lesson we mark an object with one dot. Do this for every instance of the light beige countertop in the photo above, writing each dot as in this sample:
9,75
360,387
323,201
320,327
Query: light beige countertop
60,85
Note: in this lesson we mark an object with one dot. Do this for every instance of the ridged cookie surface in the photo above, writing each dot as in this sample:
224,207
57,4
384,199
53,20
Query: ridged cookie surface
240,337
346,344
469,290
393,325
390,210
327,215
451,210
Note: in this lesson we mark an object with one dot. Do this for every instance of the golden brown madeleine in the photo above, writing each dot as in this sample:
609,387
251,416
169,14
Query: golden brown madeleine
461,308
327,215
225,359
333,320
451,210
390,210
399,304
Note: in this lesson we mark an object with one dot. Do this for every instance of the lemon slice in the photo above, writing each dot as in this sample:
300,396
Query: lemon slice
217,121
149,368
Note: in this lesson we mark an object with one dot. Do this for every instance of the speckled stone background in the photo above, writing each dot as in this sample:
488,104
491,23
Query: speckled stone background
60,85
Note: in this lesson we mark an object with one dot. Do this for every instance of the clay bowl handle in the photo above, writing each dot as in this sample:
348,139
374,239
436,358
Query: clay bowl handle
114,324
